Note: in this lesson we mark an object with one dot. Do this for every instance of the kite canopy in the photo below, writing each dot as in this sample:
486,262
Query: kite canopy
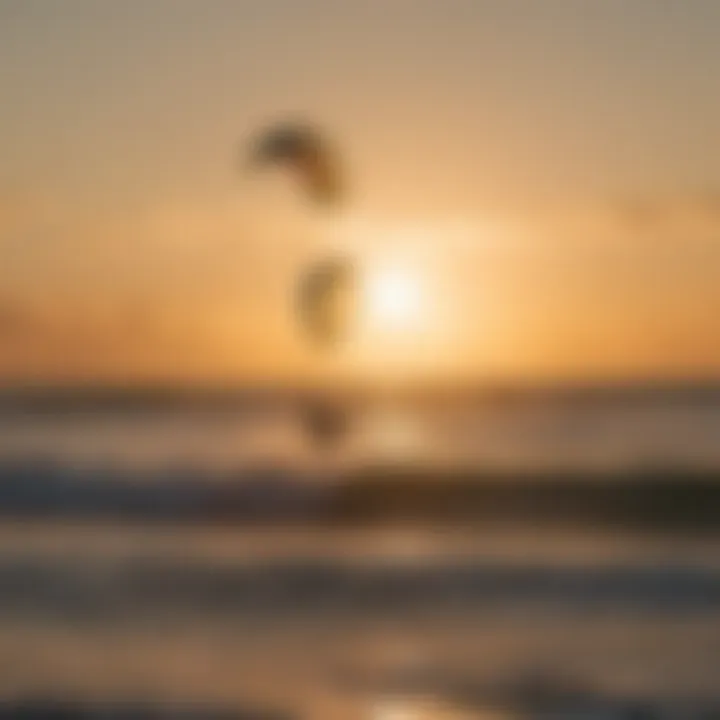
325,300
308,153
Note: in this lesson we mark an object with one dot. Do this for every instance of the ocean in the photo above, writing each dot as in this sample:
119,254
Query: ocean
548,554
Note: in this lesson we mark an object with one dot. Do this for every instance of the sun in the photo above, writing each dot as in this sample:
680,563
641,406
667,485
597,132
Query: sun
404,322
394,298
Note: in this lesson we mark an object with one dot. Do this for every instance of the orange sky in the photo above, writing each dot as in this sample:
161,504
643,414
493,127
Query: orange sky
548,173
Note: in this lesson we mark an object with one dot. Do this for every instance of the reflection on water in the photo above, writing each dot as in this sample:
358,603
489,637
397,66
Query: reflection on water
583,432
403,709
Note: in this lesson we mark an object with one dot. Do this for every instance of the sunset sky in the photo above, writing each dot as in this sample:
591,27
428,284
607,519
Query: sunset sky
545,175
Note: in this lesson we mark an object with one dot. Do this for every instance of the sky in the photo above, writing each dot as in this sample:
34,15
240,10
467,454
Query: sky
545,174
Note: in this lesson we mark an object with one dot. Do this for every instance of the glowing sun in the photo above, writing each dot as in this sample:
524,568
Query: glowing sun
394,298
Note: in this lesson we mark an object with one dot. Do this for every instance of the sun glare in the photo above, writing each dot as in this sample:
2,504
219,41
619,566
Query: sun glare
394,298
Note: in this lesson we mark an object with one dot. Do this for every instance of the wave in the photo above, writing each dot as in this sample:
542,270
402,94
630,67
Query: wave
293,589
650,499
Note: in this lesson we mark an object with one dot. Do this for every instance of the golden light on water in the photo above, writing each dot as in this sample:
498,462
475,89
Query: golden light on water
395,435
405,709
393,711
